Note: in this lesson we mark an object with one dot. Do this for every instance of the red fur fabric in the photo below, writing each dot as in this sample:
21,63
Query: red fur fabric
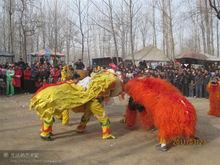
165,108
214,99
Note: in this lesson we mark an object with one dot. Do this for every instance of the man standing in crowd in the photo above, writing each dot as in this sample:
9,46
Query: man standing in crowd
21,64
205,83
185,83
199,84
27,80
79,65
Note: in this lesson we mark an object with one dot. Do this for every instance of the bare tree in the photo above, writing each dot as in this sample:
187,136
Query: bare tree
10,9
215,4
154,25
81,17
167,28
28,23
133,10
131,16
109,16
217,34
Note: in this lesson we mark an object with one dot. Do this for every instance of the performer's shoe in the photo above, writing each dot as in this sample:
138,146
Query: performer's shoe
51,134
47,138
81,128
65,123
153,129
109,136
164,148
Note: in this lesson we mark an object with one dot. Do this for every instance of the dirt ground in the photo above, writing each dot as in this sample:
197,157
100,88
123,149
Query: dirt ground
20,142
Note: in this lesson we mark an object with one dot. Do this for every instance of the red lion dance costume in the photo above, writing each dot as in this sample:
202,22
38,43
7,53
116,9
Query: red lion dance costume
214,98
161,105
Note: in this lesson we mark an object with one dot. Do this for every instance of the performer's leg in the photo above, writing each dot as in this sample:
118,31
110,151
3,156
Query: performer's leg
7,87
131,113
65,117
130,117
97,109
46,129
12,91
84,120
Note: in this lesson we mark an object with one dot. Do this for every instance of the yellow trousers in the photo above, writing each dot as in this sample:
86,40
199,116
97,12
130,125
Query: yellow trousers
64,117
93,107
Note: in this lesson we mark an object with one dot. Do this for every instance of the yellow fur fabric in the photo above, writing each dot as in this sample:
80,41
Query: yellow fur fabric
53,100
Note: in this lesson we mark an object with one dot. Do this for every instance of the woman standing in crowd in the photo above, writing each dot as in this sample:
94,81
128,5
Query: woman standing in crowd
9,76
17,79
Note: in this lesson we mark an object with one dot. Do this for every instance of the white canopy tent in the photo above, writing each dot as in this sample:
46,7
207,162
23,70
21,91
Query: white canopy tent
150,53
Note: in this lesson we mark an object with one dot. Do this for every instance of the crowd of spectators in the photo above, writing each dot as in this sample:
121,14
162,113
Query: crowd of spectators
190,80
22,78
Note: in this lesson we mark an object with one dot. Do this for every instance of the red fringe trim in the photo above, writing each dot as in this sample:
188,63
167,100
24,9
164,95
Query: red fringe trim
50,85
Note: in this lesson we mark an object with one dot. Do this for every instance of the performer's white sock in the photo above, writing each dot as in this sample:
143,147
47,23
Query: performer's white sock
163,145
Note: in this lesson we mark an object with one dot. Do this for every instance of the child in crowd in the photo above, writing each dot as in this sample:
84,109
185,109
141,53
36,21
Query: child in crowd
44,81
38,84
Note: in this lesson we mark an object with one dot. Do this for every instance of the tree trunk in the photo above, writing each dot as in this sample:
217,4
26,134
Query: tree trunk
212,34
208,28
154,26
164,27
217,31
113,29
131,30
4,29
81,29
24,47
172,48
11,39
202,28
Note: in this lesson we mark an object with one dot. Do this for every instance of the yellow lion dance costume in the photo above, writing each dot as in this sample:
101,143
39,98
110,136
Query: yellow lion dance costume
54,99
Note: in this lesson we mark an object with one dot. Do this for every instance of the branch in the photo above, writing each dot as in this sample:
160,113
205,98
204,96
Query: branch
213,5
96,23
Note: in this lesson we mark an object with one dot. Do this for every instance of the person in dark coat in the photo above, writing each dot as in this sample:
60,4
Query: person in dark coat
79,65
